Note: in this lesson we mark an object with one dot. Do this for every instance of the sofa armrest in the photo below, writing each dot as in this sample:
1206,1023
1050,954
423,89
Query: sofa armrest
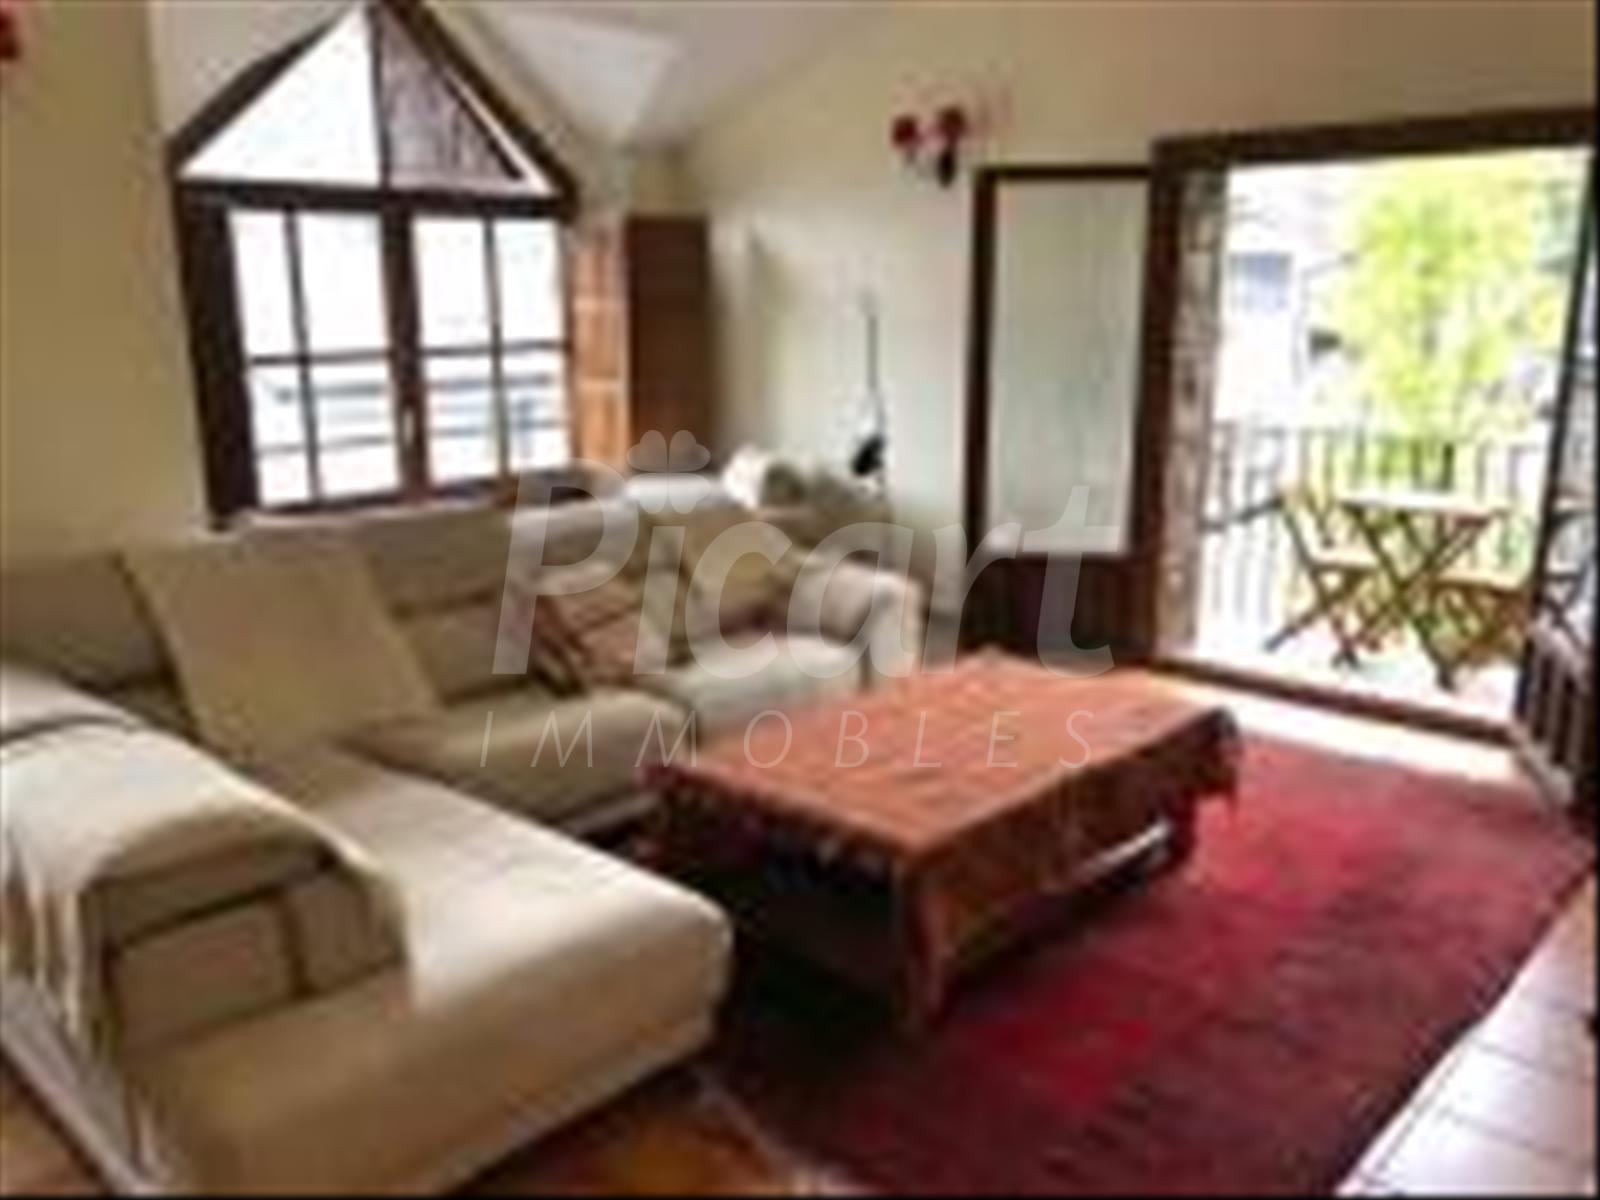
857,601
129,860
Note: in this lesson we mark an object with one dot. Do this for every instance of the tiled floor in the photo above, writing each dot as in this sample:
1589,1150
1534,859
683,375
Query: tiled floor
1512,1108
1509,1110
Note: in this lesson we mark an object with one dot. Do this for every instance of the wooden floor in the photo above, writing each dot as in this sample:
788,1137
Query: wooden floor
1510,1110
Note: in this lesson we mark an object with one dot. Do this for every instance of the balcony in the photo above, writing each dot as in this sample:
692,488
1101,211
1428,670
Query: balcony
1254,579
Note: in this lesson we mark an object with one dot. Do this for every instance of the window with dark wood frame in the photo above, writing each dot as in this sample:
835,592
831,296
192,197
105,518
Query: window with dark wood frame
371,319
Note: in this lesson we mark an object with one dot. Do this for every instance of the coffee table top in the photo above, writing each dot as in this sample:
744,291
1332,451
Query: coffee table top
944,753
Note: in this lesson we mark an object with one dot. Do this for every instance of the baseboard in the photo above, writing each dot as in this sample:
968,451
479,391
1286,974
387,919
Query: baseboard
1335,699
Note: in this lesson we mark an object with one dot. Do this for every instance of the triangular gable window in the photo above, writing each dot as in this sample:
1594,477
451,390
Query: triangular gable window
374,273
316,124
366,104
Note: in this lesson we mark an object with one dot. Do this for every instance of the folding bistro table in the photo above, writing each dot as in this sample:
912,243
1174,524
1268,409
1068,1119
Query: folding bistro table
1415,539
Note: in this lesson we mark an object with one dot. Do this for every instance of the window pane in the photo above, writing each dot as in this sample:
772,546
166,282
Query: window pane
282,477
528,257
276,420
341,267
357,440
353,402
317,122
460,393
453,281
458,458
542,446
461,419
536,410
1069,277
359,470
261,258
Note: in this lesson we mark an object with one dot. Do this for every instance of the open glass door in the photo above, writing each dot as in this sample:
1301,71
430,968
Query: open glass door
1554,723
1358,349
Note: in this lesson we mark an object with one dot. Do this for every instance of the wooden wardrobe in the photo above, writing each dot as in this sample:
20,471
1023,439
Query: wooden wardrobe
641,333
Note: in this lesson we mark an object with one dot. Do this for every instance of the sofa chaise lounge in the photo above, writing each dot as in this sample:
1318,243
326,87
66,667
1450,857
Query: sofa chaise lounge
533,977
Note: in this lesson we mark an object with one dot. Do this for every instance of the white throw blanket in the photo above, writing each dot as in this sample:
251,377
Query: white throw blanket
33,703
91,809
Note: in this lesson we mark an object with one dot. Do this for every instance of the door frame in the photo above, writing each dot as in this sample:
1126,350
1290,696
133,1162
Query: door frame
1109,581
1551,725
1173,159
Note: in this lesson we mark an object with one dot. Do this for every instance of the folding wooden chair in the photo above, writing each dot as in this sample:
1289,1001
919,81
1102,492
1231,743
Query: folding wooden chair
1340,577
1487,614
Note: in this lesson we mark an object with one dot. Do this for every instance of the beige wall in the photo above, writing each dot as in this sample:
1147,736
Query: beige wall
811,210
97,438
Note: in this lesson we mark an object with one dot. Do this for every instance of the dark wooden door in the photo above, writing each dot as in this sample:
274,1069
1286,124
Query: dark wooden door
1102,581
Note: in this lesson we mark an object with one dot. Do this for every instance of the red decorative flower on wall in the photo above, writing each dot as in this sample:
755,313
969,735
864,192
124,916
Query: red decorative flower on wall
905,134
951,122
932,146
10,35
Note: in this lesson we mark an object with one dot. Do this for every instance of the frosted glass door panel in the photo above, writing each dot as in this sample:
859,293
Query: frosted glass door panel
1064,362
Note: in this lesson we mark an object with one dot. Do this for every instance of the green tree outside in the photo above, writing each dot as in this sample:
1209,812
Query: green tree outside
1457,274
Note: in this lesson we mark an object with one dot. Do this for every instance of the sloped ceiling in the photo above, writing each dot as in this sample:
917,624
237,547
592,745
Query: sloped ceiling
649,72
628,73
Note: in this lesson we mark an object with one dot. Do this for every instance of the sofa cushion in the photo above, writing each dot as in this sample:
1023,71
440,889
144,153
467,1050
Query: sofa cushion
421,556
508,749
279,640
435,556
81,619
737,571
591,638
542,978
732,572
456,646
234,964
140,904
611,531
723,688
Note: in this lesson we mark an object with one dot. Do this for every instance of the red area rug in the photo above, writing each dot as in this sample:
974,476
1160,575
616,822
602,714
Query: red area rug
1248,1025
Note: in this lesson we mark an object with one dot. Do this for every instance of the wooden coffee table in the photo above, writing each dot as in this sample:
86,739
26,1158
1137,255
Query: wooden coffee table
952,809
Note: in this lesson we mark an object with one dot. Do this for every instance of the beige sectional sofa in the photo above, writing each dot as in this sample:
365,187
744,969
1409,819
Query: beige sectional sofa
536,976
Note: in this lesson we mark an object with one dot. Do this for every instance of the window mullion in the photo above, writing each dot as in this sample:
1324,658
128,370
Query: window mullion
302,343
497,366
405,349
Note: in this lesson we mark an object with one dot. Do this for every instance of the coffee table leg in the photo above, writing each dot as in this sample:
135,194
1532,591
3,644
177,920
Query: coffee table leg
920,980
1182,836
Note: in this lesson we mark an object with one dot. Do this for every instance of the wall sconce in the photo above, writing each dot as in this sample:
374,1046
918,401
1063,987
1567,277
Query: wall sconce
10,34
932,145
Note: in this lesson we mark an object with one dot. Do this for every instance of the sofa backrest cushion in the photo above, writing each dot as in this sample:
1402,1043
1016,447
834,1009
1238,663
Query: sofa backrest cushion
735,572
280,639
421,556
570,534
436,556
82,619
456,648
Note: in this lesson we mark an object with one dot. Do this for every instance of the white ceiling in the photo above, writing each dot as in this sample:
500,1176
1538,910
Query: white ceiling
644,72
632,73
